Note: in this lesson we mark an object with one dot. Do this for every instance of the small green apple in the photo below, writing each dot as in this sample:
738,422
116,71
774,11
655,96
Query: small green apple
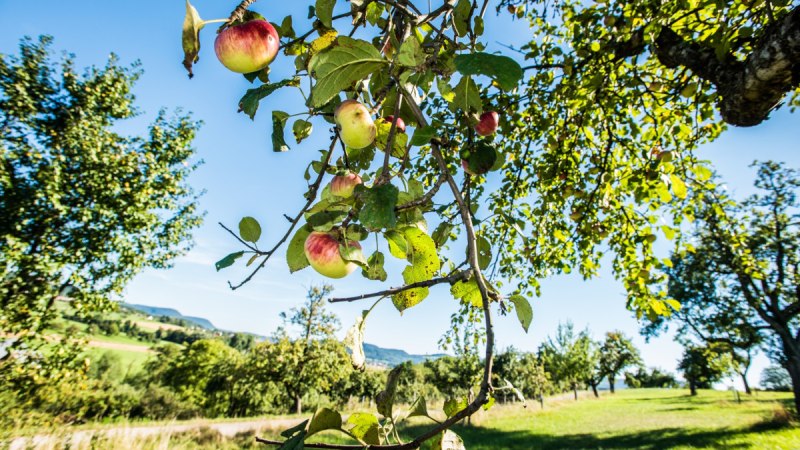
356,125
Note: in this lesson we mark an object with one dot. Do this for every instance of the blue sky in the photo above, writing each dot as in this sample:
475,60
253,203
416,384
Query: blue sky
242,176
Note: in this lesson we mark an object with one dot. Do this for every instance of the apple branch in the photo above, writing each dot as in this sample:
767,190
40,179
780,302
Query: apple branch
461,275
311,195
238,13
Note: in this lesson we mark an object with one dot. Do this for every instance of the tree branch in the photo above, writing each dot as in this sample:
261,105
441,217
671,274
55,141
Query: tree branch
452,278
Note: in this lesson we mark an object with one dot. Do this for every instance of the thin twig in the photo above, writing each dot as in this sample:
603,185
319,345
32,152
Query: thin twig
311,196
425,198
238,13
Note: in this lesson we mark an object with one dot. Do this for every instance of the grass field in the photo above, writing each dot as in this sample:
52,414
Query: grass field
637,419
648,419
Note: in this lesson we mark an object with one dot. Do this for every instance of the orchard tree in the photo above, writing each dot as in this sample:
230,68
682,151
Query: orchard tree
568,357
83,209
749,252
312,362
703,366
776,378
599,113
711,312
617,353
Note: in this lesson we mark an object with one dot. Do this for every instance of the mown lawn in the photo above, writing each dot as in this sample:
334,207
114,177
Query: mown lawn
647,419
638,419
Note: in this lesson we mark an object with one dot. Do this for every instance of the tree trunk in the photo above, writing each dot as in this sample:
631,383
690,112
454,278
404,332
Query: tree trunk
611,383
793,367
746,384
692,387
594,389
575,390
541,401
298,404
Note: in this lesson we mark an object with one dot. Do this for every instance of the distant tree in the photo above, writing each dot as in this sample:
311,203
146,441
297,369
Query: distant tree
241,341
314,361
595,374
194,373
566,357
704,366
83,209
654,378
617,353
776,378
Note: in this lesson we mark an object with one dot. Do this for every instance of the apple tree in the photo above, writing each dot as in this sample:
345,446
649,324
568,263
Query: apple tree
574,143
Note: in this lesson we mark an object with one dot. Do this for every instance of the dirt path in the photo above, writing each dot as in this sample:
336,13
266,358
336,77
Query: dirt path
120,346
83,438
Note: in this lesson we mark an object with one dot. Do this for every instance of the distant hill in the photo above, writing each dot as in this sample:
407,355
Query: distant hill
156,311
375,355
392,357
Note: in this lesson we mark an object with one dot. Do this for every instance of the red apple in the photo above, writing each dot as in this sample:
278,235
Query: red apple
357,128
401,126
487,124
247,47
343,185
322,251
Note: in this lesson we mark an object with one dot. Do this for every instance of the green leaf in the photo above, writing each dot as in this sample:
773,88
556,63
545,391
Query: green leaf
468,292
442,233
453,405
378,211
418,408
398,246
337,68
324,11
351,253
461,16
228,260
425,264
279,119
248,104
504,70
383,128
286,29
301,130
295,442
363,426
295,429
423,135
295,252
467,97
411,53
375,270
324,419
354,341
192,24
523,309
249,229
678,186
481,158
448,440
384,401
325,220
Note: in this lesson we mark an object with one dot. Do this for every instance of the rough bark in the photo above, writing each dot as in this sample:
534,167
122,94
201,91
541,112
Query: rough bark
748,89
